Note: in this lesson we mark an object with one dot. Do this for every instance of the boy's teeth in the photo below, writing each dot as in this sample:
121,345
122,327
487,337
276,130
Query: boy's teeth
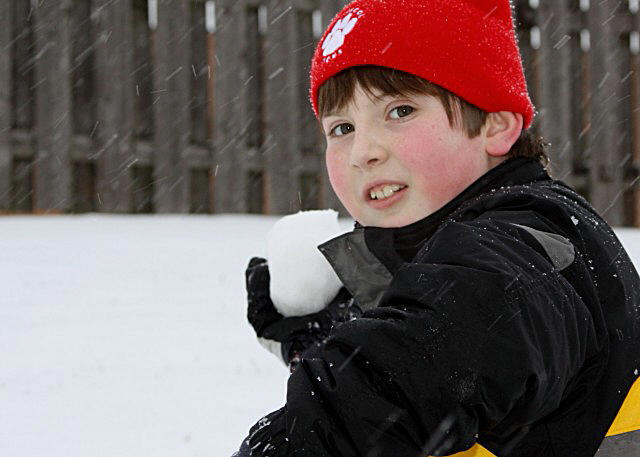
385,192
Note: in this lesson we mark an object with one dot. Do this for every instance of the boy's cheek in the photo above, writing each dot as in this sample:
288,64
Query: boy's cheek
337,176
423,151
441,167
439,154
341,184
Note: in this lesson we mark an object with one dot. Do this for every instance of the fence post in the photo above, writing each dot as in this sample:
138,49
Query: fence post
171,72
113,47
231,81
555,86
280,108
5,103
606,172
53,107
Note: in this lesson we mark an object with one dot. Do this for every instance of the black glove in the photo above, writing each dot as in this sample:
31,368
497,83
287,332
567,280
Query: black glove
268,437
294,334
260,311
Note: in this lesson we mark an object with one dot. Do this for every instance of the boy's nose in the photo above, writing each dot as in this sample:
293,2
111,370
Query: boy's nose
367,153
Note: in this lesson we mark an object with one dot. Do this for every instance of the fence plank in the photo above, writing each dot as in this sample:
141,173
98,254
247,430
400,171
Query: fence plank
200,75
23,65
142,77
280,108
5,103
555,97
53,107
113,47
231,79
606,174
84,88
171,88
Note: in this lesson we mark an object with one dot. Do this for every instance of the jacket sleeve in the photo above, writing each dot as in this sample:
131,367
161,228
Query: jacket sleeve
474,340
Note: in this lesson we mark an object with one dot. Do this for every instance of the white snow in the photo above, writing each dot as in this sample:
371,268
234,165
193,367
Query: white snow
125,336
302,280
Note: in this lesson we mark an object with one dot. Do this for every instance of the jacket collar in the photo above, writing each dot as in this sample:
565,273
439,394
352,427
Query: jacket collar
408,240
363,260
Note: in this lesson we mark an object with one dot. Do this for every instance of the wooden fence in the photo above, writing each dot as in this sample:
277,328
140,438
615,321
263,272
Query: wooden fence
201,106
581,61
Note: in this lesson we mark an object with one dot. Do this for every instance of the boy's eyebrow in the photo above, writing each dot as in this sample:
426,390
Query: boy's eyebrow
376,98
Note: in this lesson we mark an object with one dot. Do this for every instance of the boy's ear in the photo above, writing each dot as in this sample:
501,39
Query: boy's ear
502,129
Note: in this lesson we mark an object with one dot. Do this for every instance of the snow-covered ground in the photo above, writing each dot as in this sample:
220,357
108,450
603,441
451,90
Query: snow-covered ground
124,336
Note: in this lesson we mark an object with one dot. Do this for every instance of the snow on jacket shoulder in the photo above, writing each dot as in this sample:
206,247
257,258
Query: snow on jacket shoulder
511,321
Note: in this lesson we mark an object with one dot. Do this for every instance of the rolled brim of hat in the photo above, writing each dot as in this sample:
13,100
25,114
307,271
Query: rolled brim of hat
468,47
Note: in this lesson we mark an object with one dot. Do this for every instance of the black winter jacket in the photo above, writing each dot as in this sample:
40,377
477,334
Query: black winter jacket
510,318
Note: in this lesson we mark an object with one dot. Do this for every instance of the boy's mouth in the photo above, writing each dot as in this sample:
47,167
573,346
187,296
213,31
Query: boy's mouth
383,191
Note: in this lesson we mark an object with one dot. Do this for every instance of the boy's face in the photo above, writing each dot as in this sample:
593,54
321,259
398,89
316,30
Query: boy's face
394,160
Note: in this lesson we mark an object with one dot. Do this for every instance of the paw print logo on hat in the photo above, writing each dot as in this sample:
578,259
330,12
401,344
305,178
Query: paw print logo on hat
335,39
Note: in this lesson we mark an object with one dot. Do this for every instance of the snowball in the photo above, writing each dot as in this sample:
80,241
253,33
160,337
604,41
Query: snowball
302,280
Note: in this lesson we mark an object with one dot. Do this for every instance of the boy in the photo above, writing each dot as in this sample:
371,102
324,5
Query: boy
488,310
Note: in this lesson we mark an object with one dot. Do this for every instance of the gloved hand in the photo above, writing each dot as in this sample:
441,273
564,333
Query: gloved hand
260,311
290,335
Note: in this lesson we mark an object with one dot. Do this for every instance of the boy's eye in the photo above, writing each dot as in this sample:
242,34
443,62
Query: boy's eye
401,111
342,129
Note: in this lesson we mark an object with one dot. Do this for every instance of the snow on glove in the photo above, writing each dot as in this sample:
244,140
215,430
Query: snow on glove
268,437
288,337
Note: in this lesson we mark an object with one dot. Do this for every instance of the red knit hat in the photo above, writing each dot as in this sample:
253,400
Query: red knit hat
465,46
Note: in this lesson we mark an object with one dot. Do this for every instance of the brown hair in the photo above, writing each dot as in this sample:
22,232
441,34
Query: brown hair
338,91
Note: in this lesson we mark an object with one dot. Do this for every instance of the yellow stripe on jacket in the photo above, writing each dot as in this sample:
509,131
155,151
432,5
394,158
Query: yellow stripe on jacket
628,418
475,451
